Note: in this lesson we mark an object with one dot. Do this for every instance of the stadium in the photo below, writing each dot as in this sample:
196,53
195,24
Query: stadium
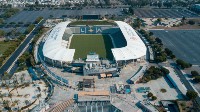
70,44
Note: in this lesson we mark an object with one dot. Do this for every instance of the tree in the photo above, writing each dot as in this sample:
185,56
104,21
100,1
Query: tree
158,40
138,23
197,79
183,64
191,94
168,52
6,105
164,70
150,94
194,73
159,20
154,98
1,96
10,96
183,20
172,56
150,33
191,22
17,102
2,33
163,90
160,4
37,2
38,96
131,11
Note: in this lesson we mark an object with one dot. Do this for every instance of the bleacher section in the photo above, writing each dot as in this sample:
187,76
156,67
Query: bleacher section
67,34
119,39
75,30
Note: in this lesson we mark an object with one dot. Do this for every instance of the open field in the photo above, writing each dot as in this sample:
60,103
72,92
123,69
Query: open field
164,13
5,45
92,23
84,44
183,43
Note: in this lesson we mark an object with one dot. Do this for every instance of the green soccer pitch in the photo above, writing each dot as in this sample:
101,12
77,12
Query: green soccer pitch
84,44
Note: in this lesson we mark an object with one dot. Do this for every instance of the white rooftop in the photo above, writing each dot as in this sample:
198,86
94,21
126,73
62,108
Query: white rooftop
55,47
135,47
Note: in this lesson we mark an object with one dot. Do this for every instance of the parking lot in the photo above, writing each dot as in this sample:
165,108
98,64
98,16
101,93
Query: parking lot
17,29
30,16
183,43
164,13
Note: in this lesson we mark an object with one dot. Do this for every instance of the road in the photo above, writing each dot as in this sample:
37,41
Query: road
183,79
186,83
20,49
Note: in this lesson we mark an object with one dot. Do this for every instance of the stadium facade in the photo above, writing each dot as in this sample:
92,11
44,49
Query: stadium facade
127,44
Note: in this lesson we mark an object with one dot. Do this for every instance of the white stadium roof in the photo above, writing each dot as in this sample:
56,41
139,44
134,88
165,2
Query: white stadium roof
55,47
135,47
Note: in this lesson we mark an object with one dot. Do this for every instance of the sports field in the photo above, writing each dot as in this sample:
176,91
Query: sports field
84,44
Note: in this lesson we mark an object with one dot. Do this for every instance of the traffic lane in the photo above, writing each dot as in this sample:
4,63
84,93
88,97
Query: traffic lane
186,83
17,52
15,55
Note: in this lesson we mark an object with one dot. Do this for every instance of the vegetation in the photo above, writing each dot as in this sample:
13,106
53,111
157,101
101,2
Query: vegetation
149,94
194,73
137,23
29,29
27,59
84,44
159,20
191,22
156,43
191,94
183,64
9,12
154,73
196,76
154,98
6,48
163,90
197,79
169,53
2,33
38,20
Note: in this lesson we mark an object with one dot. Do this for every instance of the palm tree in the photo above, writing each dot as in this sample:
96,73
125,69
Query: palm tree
15,86
17,102
10,96
22,78
5,77
6,103
38,96
138,22
183,20
8,88
1,96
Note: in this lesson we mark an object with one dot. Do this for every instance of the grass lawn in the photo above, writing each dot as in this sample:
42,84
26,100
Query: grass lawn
92,23
84,44
5,45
